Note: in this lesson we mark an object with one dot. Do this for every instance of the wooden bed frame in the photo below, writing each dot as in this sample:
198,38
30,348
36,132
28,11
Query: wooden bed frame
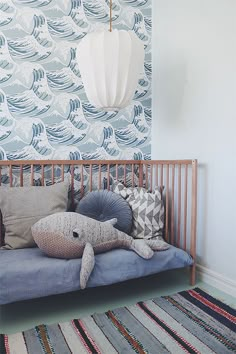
176,178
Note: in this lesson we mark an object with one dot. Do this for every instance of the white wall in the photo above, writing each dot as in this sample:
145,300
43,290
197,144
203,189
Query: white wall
194,113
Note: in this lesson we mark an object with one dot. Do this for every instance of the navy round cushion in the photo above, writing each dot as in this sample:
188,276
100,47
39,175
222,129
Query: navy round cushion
104,205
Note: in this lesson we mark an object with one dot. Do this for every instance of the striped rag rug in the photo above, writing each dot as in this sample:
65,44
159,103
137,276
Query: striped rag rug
188,322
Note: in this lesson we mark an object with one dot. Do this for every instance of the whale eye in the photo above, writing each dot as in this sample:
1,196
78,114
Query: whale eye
75,234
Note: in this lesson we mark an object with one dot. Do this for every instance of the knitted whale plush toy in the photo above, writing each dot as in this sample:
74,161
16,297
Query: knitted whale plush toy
72,235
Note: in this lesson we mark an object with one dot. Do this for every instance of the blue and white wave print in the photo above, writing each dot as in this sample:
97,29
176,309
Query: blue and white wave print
7,12
148,116
109,148
97,10
91,112
136,133
136,3
72,27
33,3
35,101
35,42
7,65
68,78
3,155
140,27
44,111
72,130
148,69
59,9
7,122
25,23
143,89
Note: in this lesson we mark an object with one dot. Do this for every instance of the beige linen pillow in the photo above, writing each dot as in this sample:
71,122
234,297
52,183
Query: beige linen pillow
22,207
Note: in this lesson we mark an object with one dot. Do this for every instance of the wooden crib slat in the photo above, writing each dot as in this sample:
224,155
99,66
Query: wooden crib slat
53,174
157,175
90,178
185,207
125,174
167,205
82,181
62,172
32,174
42,175
132,174
99,177
108,176
179,206
140,175
146,177
161,182
193,220
172,204
21,176
151,178
72,172
10,175
117,172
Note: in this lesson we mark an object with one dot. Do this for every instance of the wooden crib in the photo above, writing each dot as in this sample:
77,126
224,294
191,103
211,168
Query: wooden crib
177,180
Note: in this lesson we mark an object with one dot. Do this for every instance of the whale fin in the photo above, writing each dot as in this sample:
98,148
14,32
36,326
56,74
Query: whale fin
111,221
87,265
141,248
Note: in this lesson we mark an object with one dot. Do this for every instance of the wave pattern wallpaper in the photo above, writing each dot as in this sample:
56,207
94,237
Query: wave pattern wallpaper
44,112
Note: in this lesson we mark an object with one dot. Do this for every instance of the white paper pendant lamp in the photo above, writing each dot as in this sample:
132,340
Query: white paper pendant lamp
110,64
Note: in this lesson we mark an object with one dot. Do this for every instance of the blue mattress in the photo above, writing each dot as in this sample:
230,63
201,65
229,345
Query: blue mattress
29,273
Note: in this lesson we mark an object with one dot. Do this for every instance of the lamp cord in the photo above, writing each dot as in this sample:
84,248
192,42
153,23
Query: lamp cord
110,16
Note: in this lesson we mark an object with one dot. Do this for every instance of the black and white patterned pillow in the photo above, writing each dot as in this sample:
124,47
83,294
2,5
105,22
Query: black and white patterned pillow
148,210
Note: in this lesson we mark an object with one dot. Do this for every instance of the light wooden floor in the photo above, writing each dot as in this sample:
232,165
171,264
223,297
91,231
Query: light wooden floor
26,314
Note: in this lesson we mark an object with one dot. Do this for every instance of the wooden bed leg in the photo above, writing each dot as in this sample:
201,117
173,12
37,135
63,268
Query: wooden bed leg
193,275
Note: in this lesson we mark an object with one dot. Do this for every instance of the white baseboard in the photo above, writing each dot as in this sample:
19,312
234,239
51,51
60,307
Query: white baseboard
217,280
